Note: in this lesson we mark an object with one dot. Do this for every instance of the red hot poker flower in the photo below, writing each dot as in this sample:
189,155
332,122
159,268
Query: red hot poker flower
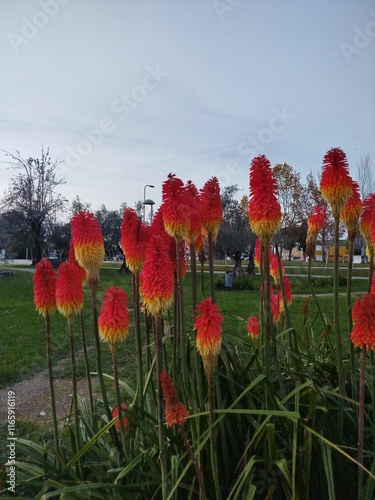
44,288
336,183
211,210
193,197
288,294
274,268
175,411
157,228
124,419
113,320
275,306
253,326
351,211
69,290
156,281
366,219
175,207
316,223
133,240
305,307
363,333
88,243
208,326
264,209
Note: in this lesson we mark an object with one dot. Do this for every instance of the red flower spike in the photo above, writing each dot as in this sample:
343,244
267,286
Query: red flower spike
287,290
175,207
133,240
275,306
274,268
366,219
351,211
253,326
211,210
264,209
157,228
124,419
156,280
305,307
316,223
44,288
335,183
88,243
363,314
208,326
175,411
69,290
113,321
193,197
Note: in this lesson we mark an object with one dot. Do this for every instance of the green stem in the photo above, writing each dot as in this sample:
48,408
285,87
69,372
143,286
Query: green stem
269,348
148,324
181,311
74,391
317,303
138,338
361,412
194,461
211,265
160,406
193,264
118,395
202,276
336,315
51,385
213,434
175,330
87,367
350,320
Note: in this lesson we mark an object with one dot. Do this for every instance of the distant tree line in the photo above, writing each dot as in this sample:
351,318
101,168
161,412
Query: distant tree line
34,216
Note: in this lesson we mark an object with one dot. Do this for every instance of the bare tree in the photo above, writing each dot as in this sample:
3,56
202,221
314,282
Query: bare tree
365,174
32,193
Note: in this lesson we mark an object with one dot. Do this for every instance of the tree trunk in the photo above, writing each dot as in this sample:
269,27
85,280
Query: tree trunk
37,232
238,271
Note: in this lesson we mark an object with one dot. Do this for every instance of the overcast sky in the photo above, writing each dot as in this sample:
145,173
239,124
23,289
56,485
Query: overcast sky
128,91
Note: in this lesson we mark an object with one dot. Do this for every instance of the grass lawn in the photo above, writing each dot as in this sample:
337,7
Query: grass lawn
22,334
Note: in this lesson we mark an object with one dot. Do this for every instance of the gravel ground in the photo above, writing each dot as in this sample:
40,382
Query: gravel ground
33,402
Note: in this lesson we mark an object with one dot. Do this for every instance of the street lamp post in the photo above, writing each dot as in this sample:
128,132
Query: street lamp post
144,199
151,203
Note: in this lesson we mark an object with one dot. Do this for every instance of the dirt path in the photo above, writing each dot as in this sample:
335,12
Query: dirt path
33,402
